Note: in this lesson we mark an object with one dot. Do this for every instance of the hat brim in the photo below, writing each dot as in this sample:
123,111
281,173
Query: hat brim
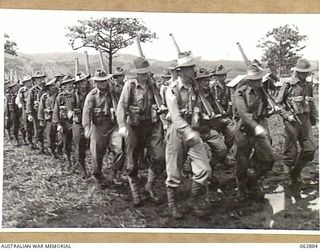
118,74
192,62
255,77
101,79
302,70
81,79
26,80
66,82
166,76
39,76
141,70
12,85
204,76
222,72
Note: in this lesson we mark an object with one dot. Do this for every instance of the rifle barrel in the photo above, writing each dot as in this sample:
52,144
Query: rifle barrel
175,43
139,47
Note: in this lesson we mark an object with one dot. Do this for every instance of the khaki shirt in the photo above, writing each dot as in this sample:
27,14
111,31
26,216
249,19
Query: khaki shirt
46,106
62,105
33,100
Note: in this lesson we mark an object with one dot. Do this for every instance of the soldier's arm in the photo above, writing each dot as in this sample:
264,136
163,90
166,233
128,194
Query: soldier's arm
29,104
242,110
123,105
18,98
87,112
55,112
179,123
281,100
313,107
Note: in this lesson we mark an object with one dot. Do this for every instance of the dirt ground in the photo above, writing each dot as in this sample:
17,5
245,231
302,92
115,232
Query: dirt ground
39,192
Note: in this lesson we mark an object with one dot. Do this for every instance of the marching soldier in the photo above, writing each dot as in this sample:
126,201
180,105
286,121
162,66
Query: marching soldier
60,118
21,101
75,113
45,112
217,147
182,138
221,92
33,98
300,114
118,75
141,130
101,128
254,150
13,113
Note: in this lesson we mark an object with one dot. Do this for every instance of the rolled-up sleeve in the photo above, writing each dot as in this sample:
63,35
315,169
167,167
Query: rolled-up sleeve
123,105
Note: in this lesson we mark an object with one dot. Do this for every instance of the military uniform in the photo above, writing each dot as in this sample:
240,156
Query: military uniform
60,118
96,117
253,147
45,115
144,130
298,95
32,105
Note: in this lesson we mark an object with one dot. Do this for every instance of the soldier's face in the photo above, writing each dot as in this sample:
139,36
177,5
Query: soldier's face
28,84
102,85
204,83
39,81
189,72
69,86
302,75
221,78
142,77
120,79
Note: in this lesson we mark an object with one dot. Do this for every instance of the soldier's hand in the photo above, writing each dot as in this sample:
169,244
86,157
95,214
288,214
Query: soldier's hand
87,132
123,132
19,105
313,121
291,118
59,129
30,118
259,131
70,114
41,123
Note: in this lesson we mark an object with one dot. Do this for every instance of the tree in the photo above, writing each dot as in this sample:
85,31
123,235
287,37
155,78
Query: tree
10,47
281,47
108,34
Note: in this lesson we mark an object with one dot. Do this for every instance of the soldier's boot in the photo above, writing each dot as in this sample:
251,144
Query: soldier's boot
295,174
9,135
135,192
24,133
81,165
41,147
16,142
173,209
194,200
153,196
32,145
101,180
254,190
114,177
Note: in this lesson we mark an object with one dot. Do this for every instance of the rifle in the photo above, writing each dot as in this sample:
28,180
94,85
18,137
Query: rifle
209,110
76,66
275,109
290,108
221,110
103,66
87,63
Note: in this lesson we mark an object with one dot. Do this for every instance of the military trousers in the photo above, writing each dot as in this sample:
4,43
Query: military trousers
15,122
38,130
80,142
66,138
105,136
252,152
51,133
177,150
28,126
295,133
146,135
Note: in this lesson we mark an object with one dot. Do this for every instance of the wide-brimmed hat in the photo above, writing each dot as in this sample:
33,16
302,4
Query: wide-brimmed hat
6,82
101,75
38,74
59,75
50,82
80,76
203,73
166,74
26,78
118,72
220,70
186,59
303,65
254,72
142,66
12,84
260,64
66,79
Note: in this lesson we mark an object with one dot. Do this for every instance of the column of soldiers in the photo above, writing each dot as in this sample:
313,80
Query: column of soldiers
199,133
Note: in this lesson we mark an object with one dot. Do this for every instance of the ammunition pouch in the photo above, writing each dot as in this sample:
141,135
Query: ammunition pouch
47,114
300,104
36,105
63,112
195,119
154,113
98,116
76,118
133,116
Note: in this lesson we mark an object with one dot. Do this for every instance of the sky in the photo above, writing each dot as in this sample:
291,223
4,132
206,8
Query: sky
211,36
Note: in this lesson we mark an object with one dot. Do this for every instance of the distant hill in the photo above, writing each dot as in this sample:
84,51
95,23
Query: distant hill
64,62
